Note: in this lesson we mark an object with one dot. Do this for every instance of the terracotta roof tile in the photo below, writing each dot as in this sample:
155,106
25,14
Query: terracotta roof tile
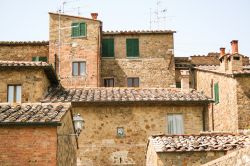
7,43
123,95
208,142
138,32
22,63
30,113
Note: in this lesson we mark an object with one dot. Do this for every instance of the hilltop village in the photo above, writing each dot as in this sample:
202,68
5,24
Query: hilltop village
141,105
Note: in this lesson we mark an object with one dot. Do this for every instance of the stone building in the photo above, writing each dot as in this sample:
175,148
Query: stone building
228,84
37,134
192,150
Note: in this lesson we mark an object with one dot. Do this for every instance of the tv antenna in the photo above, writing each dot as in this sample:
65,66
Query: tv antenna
65,4
158,16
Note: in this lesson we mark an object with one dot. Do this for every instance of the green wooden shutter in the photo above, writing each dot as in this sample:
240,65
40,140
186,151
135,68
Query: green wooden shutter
35,59
83,29
216,93
43,58
75,29
108,48
132,47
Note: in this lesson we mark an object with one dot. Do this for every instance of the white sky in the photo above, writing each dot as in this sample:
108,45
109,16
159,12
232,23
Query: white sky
202,25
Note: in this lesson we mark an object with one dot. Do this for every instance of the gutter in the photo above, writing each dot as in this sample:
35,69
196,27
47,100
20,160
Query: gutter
6,124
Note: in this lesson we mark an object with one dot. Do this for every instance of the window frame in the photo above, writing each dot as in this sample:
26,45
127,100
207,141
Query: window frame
167,123
133,82
128,42
78,30
78,68
14,93
109,78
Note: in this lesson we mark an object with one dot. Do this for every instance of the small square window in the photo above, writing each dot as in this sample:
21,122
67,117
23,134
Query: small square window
109,82
78,68
236,58
175,124
120,132
133,82
14,93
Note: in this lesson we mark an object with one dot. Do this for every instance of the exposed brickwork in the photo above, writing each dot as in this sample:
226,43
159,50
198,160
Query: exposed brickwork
75,49
99,144
154,66
23,52
28,146
34,83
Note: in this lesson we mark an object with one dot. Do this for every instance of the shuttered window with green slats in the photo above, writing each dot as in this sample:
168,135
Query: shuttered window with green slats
216,93
78,29
108,48
132,47
39,59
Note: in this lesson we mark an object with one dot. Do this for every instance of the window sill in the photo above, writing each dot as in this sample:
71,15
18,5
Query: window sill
108,57
78,37
79,76
133,57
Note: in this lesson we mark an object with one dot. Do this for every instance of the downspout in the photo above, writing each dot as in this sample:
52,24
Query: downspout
99,55
212,95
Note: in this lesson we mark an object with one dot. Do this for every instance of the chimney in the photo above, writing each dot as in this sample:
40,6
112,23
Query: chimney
222,51
94,16
184,80
234,45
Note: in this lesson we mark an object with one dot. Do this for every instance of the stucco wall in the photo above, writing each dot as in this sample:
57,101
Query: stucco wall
83,49
99,144
154,66
28,146
33,81
226,111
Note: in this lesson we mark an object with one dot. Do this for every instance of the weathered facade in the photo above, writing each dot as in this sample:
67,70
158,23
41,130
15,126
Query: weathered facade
67,47
37,134
153,65
228,84
191,150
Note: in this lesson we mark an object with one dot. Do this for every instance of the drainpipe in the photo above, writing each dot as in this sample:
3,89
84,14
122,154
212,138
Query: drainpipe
212,95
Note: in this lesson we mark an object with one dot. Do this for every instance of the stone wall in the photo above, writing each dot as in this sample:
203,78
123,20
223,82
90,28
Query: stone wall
99,144
67,144
243,101
23,145
33,81
237,158
154,66
227,106
75,49
23,52
205,60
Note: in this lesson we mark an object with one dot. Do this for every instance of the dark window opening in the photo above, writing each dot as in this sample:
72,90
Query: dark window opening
236,58
109,82
133,82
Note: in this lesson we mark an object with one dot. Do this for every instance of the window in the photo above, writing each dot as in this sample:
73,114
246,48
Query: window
39,59
120,132
236,58
175,124
132,47
78,68
178,85
133,82
109,82
216,93
108,48
14,93
78,29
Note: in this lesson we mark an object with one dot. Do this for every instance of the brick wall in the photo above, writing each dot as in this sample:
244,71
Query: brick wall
239,157
33,81
28,146
67,145
99,144
227,106
154,66
23,52
75,49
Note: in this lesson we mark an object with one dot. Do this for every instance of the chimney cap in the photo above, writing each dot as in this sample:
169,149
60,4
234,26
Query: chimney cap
94,15
234,41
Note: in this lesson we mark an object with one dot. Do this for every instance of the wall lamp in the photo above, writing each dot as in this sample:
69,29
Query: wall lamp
78,123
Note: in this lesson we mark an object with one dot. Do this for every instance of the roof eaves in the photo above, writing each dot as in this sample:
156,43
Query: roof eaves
4,124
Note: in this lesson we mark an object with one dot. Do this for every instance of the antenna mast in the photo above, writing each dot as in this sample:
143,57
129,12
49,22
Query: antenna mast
158,16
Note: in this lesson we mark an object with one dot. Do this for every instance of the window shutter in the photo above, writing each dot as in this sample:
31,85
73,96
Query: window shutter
74,29
216,93
108,48
132,47
83,29
43,58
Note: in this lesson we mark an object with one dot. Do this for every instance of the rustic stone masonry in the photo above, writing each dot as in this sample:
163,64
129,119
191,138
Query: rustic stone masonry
155,65
23,51
75,49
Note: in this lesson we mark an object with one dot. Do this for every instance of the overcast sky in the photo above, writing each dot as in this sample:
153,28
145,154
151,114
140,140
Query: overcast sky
202,25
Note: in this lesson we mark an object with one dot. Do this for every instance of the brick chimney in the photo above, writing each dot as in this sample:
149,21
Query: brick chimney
94,16
234,45
223,60
222,51
185,80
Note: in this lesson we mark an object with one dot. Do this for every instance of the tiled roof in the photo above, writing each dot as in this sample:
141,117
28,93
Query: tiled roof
124,95
22,63
48,69
138,32
32,113
7,43
68,15
206,142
